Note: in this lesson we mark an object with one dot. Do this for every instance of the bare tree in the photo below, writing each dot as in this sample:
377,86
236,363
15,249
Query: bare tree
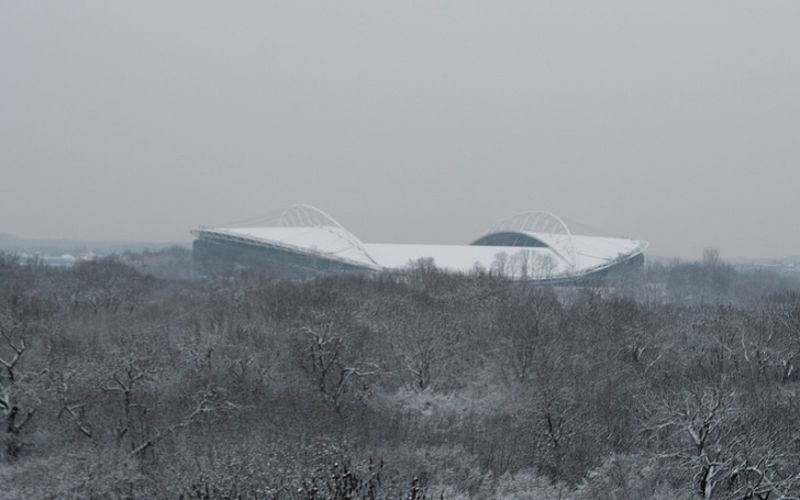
125,382
697,426
500,264
73,409
208,404
14,347
330,354
525,324
424,343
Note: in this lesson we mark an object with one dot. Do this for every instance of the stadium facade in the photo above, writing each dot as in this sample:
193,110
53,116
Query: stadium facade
304,241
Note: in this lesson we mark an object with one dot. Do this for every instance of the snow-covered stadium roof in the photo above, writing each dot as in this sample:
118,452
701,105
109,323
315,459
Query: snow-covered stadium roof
534,245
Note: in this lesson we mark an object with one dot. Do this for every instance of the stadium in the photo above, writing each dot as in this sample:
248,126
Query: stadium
305,241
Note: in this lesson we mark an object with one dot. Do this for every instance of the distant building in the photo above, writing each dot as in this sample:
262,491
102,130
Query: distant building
304,241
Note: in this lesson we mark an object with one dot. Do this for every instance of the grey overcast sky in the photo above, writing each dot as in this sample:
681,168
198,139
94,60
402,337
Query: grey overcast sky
677,121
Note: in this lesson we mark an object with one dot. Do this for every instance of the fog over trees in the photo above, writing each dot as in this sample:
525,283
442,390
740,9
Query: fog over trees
136,377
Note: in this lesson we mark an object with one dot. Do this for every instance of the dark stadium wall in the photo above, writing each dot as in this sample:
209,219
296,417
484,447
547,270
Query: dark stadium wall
227,257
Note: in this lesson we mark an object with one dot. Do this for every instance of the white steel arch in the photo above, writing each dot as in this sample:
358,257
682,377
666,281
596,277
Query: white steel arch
545,226
302,215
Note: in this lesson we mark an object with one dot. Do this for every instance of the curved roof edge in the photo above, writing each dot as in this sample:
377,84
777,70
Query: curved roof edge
639,250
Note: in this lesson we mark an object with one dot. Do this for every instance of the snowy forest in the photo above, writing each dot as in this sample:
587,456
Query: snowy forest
135,376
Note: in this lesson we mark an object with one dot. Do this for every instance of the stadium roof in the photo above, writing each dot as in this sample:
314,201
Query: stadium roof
534,245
